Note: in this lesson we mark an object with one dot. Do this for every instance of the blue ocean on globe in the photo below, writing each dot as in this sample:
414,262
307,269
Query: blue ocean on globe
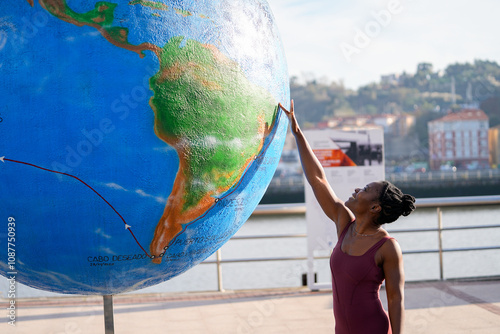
136,137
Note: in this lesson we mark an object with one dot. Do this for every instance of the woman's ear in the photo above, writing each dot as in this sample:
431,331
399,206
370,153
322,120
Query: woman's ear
375,208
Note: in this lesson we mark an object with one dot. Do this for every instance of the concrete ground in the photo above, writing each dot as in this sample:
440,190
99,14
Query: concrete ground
456,307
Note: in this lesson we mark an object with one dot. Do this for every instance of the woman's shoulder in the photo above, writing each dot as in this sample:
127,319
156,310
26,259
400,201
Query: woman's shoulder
391,247
389,252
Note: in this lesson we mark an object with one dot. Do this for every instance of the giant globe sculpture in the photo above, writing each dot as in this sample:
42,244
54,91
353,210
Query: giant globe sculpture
136,136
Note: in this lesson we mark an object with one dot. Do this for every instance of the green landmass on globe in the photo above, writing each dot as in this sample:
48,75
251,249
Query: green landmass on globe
151,4
198,93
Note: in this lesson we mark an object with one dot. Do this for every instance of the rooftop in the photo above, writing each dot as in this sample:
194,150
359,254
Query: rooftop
464,115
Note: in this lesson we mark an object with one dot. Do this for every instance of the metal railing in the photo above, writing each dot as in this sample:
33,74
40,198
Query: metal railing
437,203
480,174
219,261
296,182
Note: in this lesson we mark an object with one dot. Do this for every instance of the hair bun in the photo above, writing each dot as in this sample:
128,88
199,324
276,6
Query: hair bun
408,202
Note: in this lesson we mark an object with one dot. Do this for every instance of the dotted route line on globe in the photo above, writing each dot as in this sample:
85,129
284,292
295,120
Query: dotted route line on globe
234,188
3,159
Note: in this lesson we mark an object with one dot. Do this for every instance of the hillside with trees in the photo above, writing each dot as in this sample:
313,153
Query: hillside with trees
427,94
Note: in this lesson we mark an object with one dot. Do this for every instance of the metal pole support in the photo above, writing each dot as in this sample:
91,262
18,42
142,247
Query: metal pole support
440,241
109,326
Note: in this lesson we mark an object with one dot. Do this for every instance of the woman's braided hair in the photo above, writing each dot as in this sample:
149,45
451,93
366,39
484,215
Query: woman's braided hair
394,203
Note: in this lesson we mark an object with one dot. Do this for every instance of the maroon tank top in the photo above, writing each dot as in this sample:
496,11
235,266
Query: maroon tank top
356,282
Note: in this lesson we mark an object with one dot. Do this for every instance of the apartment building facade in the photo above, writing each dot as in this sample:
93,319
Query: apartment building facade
459,139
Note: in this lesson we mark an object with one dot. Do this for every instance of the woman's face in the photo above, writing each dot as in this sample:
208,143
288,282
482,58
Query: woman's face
363,199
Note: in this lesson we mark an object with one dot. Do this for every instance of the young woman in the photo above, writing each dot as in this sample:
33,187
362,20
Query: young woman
365,254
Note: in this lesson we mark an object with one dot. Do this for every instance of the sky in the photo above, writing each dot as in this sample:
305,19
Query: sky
357,41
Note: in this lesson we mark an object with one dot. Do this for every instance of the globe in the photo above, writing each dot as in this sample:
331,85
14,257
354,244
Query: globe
136,137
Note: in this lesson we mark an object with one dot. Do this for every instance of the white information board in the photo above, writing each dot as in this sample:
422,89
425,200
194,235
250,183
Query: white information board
351,159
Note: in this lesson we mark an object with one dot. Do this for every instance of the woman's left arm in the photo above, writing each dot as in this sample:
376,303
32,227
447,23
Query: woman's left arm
394,284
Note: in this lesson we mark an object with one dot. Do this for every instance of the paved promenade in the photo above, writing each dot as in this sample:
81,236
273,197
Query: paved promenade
434,307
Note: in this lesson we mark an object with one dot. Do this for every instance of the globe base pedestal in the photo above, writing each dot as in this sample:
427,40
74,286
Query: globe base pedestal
109,326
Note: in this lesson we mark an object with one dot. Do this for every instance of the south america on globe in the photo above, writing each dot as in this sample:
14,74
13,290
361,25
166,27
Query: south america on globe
136,137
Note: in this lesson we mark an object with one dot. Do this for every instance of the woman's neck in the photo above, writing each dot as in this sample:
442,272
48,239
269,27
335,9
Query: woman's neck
366,227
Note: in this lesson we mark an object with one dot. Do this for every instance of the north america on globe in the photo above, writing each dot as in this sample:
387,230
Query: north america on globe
136,136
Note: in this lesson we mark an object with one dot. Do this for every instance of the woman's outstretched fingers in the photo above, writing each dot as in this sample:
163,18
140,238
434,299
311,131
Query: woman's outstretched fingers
283,108
291,117
287,112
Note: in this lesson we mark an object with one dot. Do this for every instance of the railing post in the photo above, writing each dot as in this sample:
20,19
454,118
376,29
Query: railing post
440,241
219,270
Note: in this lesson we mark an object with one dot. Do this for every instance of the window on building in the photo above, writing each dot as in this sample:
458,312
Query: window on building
466,151
475,151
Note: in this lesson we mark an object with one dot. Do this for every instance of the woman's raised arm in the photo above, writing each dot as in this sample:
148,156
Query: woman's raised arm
333,207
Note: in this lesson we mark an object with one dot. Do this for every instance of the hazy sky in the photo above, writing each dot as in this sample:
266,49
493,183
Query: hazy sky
358,40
